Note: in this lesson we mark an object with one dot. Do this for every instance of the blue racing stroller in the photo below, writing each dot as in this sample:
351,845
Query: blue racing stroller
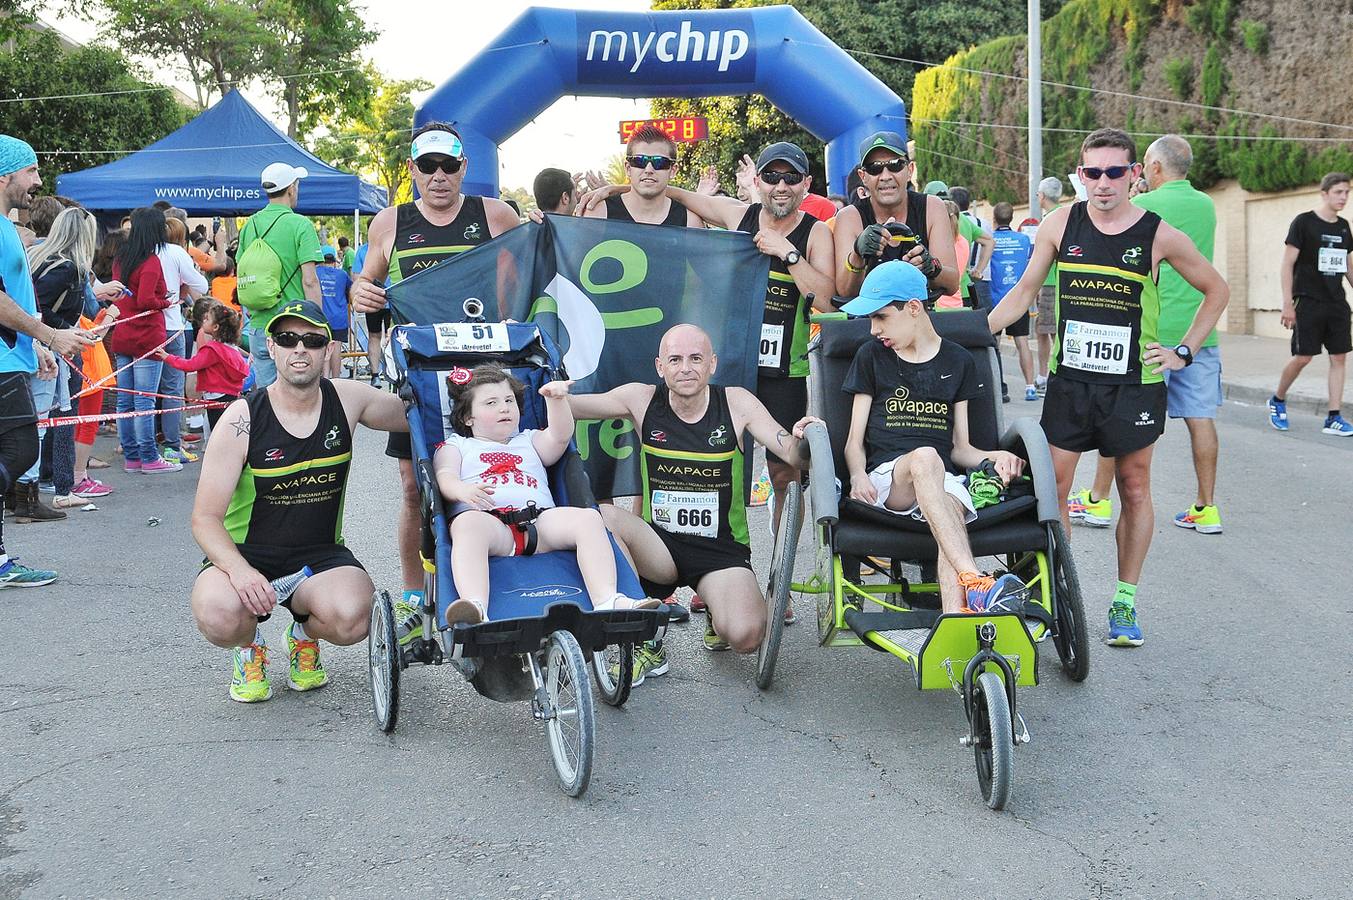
541,628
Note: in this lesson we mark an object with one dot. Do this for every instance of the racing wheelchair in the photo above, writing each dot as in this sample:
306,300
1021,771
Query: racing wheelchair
541,626
895,609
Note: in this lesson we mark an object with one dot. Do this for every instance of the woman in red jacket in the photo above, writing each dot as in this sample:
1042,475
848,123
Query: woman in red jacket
135,339
220,365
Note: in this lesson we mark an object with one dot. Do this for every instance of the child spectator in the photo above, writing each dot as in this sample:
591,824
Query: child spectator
220,365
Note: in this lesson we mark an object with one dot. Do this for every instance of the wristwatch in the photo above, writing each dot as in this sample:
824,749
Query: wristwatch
1184,353
792,257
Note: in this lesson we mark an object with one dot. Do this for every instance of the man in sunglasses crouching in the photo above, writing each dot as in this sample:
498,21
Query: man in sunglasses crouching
407,239
269,510
861,233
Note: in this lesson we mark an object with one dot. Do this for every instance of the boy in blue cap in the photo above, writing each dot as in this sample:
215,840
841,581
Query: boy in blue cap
909,428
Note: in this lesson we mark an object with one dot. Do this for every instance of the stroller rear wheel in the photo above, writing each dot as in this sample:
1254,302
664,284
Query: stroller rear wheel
569,721
383,662
613,669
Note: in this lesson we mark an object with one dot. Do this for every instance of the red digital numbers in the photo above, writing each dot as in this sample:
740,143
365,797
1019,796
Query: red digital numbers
685,130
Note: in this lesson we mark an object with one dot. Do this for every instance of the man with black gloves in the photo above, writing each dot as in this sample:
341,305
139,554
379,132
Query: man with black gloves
863,235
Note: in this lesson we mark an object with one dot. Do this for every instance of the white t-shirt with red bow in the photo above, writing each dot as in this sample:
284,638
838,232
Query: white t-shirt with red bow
513,470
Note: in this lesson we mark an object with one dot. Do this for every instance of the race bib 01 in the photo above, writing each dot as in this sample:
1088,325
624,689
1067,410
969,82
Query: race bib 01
464,337
687,512
1332,261
772,336
1096,348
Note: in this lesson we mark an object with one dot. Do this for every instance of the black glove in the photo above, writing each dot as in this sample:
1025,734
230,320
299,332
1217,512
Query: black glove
871,241
930,266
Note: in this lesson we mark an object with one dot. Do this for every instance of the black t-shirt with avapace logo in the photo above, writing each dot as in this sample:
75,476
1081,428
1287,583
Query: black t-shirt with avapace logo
913,403
1322,256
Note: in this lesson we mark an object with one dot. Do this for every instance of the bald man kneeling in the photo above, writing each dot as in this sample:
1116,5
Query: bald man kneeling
693,529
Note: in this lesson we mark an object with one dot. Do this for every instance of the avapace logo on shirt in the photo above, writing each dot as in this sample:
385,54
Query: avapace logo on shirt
1132,257
718,436
472,231
900,403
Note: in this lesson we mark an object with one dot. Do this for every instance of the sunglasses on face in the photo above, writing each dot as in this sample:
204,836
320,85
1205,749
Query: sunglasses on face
311,340
1094,173
450,165
894,165
772,177
657,162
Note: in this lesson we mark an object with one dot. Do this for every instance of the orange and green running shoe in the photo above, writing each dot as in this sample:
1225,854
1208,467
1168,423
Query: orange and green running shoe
249,683
306,672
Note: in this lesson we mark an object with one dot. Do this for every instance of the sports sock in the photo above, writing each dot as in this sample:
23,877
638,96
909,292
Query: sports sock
1277,399
258,636
1041,379
4,559
298,632
1126,594
1334,414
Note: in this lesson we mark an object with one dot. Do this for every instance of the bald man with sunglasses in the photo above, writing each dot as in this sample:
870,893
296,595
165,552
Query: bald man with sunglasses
861,233
411,238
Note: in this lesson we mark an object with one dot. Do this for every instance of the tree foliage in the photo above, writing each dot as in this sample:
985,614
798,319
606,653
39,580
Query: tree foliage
305,52
65,132
374,141
926,30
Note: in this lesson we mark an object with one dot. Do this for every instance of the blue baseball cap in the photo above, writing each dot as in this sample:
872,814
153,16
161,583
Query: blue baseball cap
328,252
892,282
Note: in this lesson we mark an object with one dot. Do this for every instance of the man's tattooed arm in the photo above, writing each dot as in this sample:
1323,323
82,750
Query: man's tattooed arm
241,425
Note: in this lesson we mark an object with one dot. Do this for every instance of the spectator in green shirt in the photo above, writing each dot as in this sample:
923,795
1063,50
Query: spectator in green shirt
346,254
1194,392
292,237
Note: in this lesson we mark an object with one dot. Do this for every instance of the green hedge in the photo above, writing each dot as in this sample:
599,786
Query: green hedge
1077,43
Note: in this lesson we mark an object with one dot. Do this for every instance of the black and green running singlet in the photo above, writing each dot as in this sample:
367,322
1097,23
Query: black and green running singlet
784,325
421,245
1108,305
692,472
291,491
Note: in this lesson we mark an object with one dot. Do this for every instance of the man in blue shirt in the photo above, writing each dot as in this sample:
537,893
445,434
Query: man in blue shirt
20,357
333,287
1009,259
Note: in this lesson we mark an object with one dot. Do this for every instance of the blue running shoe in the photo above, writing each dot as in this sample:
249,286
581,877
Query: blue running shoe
1030,393
994,595
1123,628
1277,413
1338,426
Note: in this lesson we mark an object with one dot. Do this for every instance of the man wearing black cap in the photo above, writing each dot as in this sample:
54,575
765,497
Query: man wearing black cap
410,238
270,505
861,236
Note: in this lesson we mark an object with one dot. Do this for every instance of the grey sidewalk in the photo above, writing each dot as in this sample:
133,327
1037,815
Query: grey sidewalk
1249,373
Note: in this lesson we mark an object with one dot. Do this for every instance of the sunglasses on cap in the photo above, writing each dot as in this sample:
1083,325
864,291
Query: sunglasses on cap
770,176
448,164
1094,173
659,163
894,165
311,339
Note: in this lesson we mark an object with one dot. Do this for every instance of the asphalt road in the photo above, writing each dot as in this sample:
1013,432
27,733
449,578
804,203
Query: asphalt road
1212,762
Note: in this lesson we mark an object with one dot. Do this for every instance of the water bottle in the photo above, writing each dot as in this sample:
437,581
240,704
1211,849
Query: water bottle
285,586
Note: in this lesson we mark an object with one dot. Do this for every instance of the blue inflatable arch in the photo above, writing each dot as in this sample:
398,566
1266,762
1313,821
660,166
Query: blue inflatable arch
772,50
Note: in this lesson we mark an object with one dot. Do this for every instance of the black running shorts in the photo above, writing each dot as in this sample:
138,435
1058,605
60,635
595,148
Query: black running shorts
1321,323
1019,327
16,403
1115,419
275,562
378,321
786,399
696,557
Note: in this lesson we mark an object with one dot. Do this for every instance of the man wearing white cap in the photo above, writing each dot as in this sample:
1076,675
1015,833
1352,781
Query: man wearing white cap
276,263
407,239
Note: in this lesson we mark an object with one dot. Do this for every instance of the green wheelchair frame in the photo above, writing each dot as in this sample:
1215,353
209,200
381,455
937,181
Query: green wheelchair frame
982,657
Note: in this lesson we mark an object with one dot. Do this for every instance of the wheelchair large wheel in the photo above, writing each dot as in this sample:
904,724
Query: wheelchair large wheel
777,588
1070,633
383,662
570,725
994,747
613,669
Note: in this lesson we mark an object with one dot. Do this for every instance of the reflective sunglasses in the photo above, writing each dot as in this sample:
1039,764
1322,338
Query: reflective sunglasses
1094,173
658,163
894,165
311,339
450,165
772,177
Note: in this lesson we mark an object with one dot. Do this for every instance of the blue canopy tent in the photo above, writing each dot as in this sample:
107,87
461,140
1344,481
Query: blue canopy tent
212,166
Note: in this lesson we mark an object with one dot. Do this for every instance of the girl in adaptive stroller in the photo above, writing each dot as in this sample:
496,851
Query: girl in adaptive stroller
495,476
